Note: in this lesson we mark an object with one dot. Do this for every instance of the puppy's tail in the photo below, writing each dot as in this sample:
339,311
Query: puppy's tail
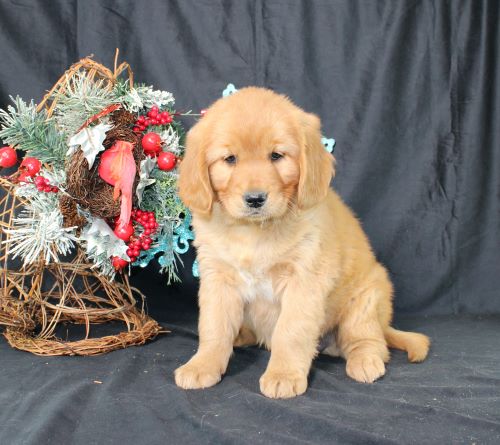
416,345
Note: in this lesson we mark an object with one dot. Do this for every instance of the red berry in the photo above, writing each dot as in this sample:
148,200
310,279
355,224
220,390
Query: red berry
136,252
147,232
54,189
166,117
8,157
163,121
129,252
141,119
151,143
31,166
47,188
136,129
39,180
166,161
124,232
118,263
155,108
138,213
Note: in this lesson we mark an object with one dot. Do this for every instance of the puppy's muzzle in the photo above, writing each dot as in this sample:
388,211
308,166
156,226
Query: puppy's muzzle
255,200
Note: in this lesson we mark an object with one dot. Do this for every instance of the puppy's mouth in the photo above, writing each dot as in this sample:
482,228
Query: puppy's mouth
259,213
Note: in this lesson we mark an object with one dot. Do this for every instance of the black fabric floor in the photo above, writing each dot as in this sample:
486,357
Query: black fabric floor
129,396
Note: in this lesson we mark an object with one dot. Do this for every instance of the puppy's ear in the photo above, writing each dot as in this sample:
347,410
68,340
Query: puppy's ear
195,189
316,164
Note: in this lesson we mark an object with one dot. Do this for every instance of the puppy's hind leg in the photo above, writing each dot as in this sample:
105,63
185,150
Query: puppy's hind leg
328,345
361,338
245,337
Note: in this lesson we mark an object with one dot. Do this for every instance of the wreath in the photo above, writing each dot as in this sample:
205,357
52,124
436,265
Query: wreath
99,171
94,194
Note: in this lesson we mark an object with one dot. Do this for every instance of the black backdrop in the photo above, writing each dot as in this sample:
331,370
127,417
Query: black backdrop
409,89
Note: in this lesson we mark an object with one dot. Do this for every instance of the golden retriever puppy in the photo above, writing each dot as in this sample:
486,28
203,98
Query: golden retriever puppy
283,261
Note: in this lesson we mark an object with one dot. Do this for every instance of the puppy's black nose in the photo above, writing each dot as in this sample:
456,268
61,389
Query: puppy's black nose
255,199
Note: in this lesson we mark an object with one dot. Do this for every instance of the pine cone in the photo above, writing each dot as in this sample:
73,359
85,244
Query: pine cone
70,213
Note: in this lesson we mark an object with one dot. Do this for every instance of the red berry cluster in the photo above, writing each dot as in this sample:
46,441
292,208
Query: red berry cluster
153,117
43,185
135,244
143,241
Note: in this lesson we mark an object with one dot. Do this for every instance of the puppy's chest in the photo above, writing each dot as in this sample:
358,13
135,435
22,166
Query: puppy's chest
255,285
256,270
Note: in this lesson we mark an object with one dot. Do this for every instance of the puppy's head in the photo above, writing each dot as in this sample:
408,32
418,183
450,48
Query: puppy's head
257,154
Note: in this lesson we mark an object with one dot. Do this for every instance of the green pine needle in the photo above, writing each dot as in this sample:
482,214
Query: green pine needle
25,128
162,198
80,100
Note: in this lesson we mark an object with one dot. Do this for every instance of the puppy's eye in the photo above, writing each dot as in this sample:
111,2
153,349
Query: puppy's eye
230,159
275,156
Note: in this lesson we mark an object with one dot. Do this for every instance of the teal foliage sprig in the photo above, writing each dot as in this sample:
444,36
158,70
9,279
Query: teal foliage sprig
25,128
162,198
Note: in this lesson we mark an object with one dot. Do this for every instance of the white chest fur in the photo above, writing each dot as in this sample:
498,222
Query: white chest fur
256,284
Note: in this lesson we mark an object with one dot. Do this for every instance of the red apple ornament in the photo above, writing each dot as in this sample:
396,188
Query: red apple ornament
30,166
8,157
151,143
124,232
166,161
119,263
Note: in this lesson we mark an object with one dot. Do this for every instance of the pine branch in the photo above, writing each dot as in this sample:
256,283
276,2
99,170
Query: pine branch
38,230
23,127
80,100
142,96
162,198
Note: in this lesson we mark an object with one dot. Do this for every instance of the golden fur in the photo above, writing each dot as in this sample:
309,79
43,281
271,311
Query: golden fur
288,273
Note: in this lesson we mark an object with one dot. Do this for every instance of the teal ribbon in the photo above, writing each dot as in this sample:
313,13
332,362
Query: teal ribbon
168,245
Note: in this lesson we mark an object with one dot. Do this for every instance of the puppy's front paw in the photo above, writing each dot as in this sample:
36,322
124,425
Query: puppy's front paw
365,368
195,375
282,385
